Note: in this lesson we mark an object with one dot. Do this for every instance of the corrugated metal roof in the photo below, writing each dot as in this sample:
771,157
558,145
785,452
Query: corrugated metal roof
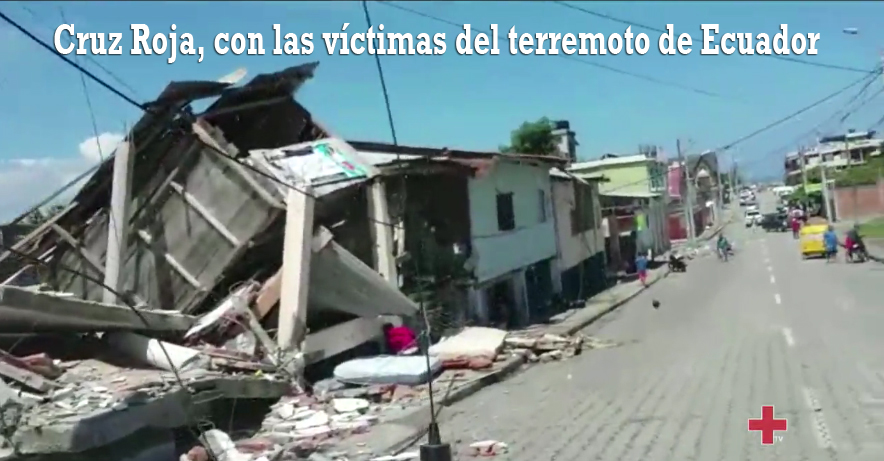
564,175
629,194
595,176
327,165
608,162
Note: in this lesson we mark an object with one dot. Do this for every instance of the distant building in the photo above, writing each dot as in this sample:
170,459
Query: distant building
834,152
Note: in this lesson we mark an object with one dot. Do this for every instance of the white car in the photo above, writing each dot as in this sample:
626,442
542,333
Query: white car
753,217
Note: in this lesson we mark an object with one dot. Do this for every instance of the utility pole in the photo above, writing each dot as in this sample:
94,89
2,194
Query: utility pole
720,187
688,197
803,168
825,185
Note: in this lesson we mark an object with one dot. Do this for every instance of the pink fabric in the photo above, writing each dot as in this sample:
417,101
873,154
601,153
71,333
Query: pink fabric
399,339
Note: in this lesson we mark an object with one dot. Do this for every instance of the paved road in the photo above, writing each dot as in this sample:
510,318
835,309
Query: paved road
765,328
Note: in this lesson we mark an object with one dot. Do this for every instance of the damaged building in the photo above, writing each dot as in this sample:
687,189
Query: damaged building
187,225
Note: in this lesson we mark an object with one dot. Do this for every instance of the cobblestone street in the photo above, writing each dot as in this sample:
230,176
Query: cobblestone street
765,328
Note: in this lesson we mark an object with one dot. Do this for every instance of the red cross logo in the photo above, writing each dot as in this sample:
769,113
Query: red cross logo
767,425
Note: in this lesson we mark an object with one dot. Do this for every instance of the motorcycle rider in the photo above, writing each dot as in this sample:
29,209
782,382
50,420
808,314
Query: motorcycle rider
723,246
853,239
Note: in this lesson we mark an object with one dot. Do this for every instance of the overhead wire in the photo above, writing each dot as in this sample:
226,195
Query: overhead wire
661,30
422,307
116,78
94,123
616,70
869,74
764,128
146,109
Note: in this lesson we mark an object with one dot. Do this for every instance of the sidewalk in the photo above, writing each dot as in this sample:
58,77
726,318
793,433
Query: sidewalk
400,432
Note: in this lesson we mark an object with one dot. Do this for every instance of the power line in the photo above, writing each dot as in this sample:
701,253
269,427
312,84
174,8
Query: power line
89,58
658,29
646,78
804,109
377,60
765,128
869,74
149,110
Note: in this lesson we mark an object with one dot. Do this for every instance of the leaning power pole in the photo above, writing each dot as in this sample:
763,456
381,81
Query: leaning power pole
720,186
688,200
803,168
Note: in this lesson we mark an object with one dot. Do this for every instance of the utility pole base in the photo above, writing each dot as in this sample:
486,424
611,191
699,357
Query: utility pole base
434,449
433,452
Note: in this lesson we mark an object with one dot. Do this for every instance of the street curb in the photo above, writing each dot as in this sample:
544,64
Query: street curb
510,366
590,320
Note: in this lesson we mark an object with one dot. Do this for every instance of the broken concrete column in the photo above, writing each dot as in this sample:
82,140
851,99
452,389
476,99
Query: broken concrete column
118,224
382,232
297,253
150,351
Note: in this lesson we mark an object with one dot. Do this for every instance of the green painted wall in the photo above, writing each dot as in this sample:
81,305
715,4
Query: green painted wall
627,178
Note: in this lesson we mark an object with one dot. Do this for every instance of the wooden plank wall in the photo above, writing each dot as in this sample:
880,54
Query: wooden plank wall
201,218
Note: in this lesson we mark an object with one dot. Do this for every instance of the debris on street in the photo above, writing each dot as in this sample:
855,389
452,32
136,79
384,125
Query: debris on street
538,346
488,448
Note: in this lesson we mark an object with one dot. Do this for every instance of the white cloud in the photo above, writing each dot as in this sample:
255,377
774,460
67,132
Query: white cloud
24,182
102,146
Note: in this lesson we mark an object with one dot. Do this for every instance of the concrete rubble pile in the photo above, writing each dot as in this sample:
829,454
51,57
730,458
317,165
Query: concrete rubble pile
194,310
538,346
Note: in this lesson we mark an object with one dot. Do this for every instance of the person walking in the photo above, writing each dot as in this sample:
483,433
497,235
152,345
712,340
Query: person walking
796,227
641,265
830,239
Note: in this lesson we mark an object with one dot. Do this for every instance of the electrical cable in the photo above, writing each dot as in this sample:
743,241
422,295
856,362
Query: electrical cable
434,448
149,110
695,39
763,129
126,302
94,123
870,74
87,57
646,78
54,195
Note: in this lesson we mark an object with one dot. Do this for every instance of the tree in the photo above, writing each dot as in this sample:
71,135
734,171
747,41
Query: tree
40,215
532,138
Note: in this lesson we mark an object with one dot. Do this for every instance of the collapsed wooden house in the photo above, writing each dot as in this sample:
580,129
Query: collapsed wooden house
201,218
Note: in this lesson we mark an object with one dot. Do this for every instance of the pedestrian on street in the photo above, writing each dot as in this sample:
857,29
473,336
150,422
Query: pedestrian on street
796,227
641,265
831,241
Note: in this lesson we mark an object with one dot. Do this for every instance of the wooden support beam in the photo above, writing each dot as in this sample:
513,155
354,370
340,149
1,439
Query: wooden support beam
179,268
90,258
206,133
205,214
40,230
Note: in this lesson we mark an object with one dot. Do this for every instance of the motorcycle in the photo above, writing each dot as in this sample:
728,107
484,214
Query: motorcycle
857,254
725,253
677,263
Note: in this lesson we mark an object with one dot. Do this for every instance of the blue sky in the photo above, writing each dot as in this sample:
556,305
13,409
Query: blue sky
471,102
